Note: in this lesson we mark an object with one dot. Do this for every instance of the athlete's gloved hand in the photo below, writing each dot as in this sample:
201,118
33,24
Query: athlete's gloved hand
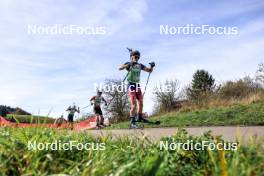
152,64
91,104
105,104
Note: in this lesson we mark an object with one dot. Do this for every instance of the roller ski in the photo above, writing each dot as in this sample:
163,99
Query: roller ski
146,121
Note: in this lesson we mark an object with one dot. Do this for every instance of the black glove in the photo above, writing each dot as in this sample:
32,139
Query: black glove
92,103
105,104
152,64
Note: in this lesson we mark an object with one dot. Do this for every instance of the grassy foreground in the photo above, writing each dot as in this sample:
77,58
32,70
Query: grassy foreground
240,114
123,156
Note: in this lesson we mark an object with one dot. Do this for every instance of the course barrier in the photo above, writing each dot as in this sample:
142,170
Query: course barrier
89,123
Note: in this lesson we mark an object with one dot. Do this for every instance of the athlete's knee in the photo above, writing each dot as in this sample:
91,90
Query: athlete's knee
133,107
140,103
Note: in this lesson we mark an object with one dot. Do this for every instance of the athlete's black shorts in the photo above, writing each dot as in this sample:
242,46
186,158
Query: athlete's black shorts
70,117
97,110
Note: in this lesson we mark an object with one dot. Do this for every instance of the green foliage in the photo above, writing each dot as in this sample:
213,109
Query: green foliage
4,110
251,114
202,84
260,73
238,89
122,156
29,119
118,108
166,99
202,81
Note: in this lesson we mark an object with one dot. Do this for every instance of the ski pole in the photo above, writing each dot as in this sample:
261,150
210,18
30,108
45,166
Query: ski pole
152,64
126,76
86,107
146,84
130,51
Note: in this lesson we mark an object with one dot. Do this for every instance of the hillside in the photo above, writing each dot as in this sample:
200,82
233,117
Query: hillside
4,110
29,119
239,114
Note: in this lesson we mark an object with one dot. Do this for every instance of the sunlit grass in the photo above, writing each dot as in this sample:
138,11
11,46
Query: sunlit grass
239,114
122,156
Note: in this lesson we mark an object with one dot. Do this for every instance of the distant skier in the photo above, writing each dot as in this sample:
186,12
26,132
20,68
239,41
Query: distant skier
59,121
134,68
96,102
72,110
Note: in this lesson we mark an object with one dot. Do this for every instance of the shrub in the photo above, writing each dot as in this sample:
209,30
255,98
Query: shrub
239,89
166,100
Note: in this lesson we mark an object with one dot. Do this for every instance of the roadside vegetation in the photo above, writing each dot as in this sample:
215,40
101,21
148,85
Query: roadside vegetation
123,156
238,114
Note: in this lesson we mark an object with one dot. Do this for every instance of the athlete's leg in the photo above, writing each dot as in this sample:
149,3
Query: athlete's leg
97,115
70,120
140,108
102,120
72,125
101,116
139,113
97,120
133,106
133,109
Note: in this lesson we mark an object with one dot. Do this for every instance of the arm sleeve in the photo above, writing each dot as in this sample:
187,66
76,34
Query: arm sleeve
128,63
142,66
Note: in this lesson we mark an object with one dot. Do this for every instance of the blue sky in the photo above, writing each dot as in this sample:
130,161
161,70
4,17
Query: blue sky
39,72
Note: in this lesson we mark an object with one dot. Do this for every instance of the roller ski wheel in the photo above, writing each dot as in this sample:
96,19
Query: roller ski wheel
98,128
139,126
102,126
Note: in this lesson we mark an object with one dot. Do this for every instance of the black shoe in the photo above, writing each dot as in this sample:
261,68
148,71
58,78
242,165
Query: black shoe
133,123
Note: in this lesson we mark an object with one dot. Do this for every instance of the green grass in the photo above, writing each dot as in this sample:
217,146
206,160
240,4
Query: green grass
250,114
29,119
122,156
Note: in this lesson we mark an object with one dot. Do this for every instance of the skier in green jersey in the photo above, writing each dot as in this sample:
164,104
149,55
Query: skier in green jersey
96,101
134,69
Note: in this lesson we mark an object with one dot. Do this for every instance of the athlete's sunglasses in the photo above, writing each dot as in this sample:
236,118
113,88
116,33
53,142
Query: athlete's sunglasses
136,57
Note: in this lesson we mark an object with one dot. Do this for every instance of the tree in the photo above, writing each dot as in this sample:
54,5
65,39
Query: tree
202,84
118,107
166,98
4,110
260,73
